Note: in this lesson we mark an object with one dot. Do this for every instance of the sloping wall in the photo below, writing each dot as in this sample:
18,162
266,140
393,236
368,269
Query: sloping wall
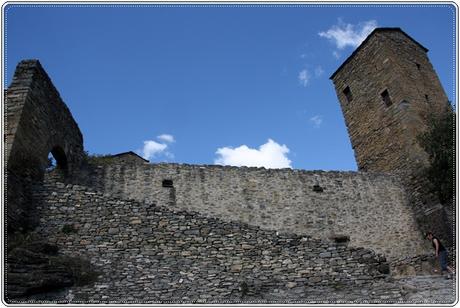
371,209
148,253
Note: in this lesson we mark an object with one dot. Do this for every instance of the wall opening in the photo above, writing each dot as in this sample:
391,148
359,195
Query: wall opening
317,188
57,160
51,165
386,98
341,239
167,183
418,65
347,93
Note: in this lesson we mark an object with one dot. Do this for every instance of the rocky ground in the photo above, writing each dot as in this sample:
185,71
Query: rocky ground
428,290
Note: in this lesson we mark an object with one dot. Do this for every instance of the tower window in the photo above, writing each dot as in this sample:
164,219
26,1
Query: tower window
418,65
167,183
386,98
347,93
427,98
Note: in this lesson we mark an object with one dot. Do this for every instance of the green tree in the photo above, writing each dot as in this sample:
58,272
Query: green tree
439,142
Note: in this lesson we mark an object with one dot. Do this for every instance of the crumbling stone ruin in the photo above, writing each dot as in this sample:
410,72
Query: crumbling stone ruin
118,229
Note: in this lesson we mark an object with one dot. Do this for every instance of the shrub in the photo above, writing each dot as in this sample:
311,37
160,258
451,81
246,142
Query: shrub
439,142
98,159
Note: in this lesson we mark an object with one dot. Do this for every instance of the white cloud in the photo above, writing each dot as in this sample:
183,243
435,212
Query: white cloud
269,155
344,35
166,138
317,120
319,71
336,54
152,149
304,77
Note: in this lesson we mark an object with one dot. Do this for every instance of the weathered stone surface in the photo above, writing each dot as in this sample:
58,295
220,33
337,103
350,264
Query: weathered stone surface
35,267
38,122
385,136
178,260
348,206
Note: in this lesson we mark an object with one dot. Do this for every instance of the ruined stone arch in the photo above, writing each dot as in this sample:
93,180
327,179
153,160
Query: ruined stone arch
37,123
60,157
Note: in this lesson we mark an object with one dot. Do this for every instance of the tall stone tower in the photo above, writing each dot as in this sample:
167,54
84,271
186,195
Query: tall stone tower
386,89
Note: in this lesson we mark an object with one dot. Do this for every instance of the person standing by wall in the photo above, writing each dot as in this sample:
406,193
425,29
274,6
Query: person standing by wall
441,254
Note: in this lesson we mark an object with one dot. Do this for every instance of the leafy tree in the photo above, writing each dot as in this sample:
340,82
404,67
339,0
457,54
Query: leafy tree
439,142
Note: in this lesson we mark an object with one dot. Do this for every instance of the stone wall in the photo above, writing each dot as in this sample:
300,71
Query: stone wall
371,209
384,131
149,253
37,123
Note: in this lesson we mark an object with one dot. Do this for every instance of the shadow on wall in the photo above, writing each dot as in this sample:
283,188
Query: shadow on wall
38,122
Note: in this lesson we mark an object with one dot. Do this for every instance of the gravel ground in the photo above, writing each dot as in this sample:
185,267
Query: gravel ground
434,289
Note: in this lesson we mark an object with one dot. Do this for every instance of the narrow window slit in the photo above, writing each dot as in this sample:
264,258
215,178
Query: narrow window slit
347,93
386,98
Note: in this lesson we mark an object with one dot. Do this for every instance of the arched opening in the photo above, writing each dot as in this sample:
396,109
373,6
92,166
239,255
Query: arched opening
57,160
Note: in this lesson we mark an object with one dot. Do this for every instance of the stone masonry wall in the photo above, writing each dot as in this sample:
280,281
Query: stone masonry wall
37,123
385,136
369,208
148,253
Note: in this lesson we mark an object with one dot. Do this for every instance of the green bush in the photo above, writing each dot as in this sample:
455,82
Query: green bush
439,142
99,159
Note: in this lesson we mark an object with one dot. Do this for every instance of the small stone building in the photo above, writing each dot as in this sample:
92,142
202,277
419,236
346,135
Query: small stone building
129,157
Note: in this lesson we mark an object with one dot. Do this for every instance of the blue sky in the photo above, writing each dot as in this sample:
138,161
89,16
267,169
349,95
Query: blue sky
240,85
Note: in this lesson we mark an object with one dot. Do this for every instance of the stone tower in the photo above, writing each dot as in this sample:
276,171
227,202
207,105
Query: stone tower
386,89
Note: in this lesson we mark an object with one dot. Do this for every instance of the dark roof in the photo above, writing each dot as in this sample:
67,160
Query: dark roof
367,39
130,153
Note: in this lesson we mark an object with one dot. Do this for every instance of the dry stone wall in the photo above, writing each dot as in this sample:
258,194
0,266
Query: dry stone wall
149,253
371,209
